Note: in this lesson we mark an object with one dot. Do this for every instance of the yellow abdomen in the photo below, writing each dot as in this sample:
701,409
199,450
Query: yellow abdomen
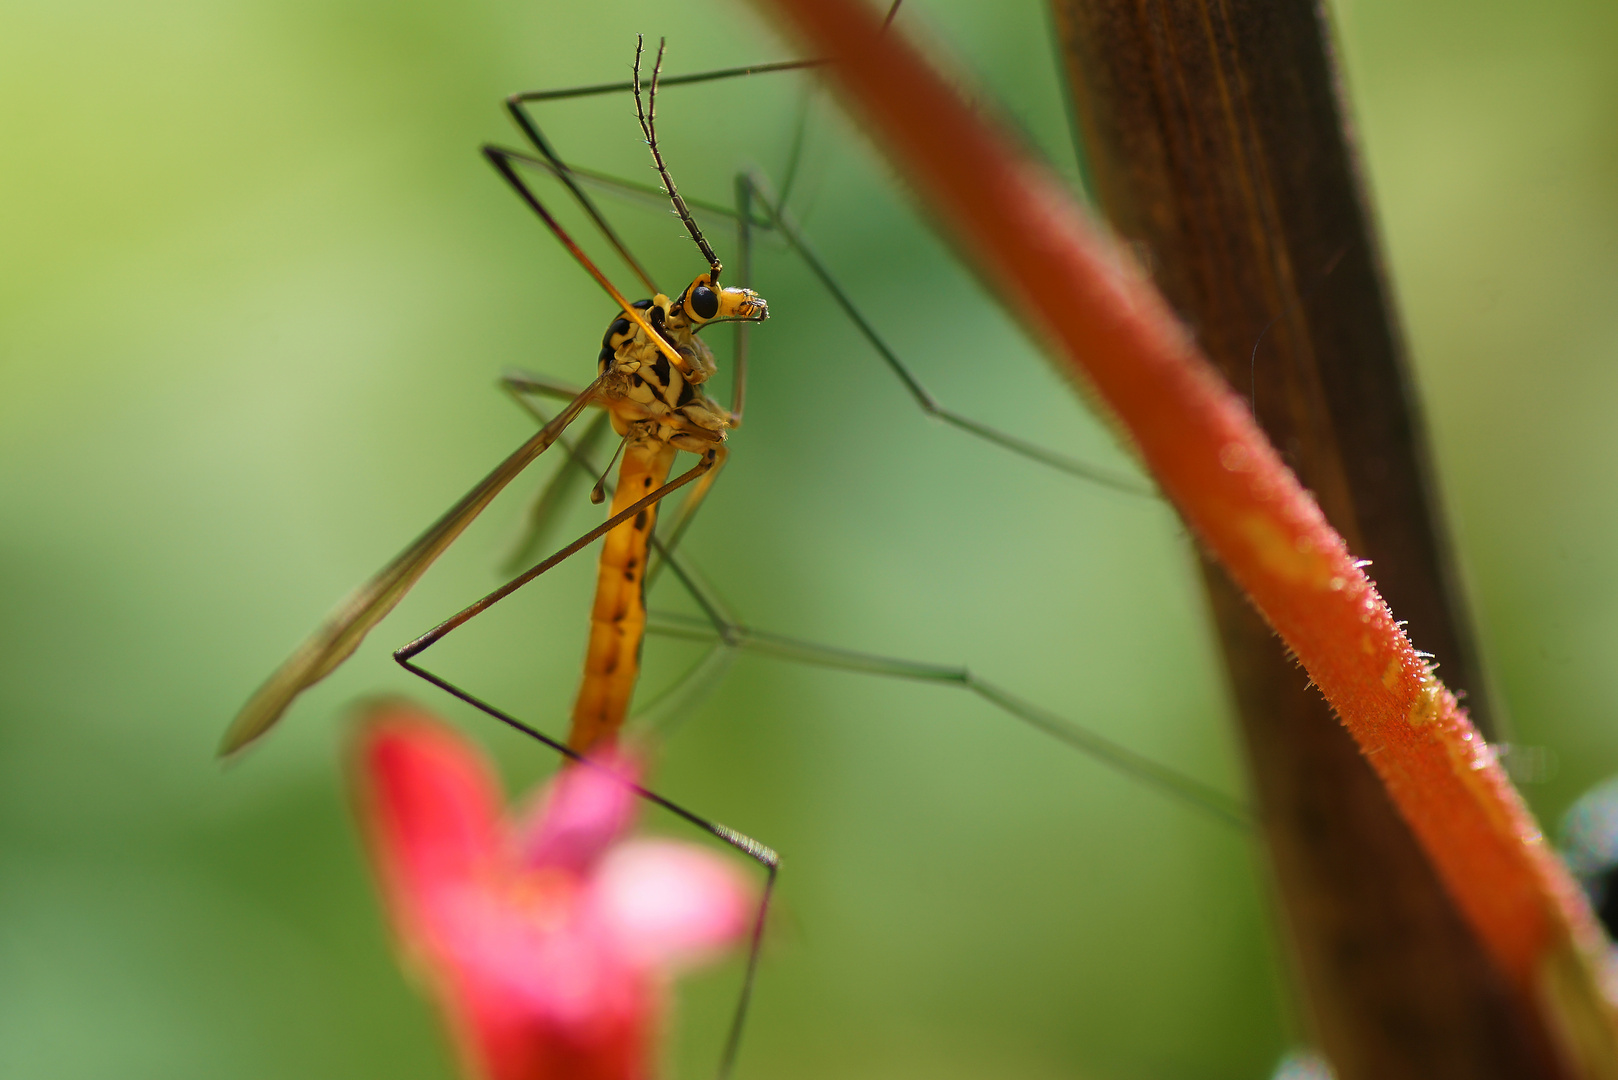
618,619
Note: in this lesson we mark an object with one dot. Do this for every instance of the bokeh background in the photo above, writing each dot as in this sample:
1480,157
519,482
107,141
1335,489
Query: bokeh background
257,287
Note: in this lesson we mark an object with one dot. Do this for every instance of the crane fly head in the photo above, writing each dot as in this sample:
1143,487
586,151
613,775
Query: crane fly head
705,301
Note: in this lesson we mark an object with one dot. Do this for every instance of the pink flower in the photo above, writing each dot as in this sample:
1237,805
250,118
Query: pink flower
547,942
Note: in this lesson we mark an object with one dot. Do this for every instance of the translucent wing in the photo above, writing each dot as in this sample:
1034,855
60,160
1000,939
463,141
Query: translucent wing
346,627
666,712
564,488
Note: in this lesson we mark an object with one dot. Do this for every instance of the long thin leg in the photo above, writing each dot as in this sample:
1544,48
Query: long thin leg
744,220
735,634
748,186
1120,759
530,130
782,222
760,853
770,215
502,161
668,80
564,483
649,194
800,134
471,611
580,465
337,638
683,80
744,271
564,487
800,126
518,383
688,510
517,107
717,622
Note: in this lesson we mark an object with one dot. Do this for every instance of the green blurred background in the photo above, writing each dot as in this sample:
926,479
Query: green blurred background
257,288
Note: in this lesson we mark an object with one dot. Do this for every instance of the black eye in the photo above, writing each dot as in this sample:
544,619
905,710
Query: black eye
704,304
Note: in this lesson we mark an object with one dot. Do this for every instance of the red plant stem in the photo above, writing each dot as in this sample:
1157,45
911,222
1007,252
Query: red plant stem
1030,242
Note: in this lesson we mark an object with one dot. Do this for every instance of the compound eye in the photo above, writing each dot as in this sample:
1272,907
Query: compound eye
704,302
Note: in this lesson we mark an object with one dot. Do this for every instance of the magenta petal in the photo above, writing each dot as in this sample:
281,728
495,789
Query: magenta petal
546,945
666,904
432,810
539,956
585,808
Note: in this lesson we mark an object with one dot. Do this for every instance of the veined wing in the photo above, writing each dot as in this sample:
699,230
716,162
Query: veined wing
346,627
545,511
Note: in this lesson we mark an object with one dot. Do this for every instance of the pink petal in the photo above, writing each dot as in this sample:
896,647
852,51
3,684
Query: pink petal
547,953
507,1045
430,807
541,957
665,904
526,995
585,808
500,1040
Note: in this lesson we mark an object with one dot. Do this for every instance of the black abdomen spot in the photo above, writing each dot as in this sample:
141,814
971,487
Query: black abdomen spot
640,521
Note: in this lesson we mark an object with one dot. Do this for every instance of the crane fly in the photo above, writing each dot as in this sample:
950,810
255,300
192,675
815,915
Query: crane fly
651,371
649,376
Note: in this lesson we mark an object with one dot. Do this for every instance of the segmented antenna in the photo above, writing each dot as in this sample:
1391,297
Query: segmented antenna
648,126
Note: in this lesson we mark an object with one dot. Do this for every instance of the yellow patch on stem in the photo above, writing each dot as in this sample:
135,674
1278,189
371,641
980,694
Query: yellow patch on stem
1429,701
1280,554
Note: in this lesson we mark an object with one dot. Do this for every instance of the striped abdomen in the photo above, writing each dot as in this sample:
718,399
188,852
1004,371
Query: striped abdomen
618,619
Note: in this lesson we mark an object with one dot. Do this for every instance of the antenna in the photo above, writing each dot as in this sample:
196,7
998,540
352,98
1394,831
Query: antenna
648,125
